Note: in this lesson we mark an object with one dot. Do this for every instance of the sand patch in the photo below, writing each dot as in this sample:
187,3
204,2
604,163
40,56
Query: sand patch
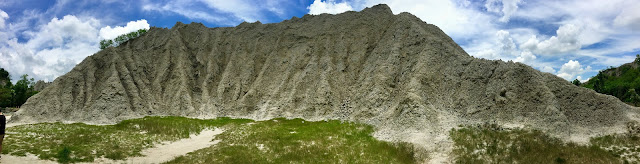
169,150
29,159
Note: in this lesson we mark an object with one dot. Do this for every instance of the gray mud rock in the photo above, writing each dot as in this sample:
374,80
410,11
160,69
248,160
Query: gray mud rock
396,72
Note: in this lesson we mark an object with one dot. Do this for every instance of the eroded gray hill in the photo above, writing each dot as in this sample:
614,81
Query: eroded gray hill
396,72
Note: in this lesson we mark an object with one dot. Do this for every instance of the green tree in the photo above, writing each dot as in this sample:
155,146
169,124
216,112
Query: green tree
6,93
598,82
576,82
121,39
6,97
23,89
637,61
634,98
105,43
5,78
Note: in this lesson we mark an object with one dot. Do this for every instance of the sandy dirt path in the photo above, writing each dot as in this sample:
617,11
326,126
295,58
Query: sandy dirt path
160,153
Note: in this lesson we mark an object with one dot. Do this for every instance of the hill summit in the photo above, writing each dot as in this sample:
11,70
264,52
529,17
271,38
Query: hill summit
402,75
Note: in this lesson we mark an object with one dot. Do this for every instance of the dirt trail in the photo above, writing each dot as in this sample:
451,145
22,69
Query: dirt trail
160,153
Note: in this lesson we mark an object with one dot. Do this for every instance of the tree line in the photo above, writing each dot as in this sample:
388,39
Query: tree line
121,39
622,82
14,95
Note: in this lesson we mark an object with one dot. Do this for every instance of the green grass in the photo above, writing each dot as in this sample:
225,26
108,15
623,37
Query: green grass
83,143
299,141
244,141
492,144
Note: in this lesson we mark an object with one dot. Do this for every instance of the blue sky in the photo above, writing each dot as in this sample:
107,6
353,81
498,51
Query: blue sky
569,38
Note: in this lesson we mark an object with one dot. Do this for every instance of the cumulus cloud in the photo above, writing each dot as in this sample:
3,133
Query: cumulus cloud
60,32
111,33
525,57
508,8
53,49
565,41
571,70
505,43
548,69
504,48
329,6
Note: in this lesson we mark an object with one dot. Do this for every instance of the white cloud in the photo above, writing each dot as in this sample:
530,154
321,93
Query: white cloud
3,17
222,12
178,8
505,7
504,48
525,57
111,33
565,41
61,32
508,8
629,17
492,6
329,6
571,70
53,49
548,69
242,9
505,43
487,54
600,22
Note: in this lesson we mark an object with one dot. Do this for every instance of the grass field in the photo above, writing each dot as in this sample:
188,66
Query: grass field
299,141
244,141
84,143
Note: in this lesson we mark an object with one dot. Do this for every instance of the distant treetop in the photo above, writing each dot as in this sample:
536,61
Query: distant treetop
121,39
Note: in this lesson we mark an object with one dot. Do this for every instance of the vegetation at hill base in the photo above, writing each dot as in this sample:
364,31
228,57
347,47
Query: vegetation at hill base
243,141
490,143
121,39
299,141
622,82
14,95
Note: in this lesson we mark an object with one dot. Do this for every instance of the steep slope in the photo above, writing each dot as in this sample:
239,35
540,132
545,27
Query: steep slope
622,82
396,72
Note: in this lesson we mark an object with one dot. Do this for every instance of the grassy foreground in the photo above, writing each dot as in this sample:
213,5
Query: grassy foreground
244,141
492,144
299,141
83,143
